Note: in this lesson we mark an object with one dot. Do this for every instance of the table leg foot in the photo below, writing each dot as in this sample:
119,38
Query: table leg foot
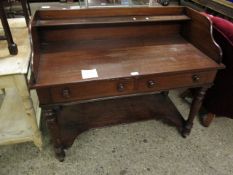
186,130
60,154
54,130
13,49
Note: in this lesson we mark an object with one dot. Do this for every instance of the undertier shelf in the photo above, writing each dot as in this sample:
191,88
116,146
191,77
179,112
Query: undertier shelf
78,118
14,125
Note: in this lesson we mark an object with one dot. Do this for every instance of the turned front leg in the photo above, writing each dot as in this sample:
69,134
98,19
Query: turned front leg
54,130
195,107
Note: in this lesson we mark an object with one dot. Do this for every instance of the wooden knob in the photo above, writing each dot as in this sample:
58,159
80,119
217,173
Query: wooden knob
66,93
195,78
120,87
150,84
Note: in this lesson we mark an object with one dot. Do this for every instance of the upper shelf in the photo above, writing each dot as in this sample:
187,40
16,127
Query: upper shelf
89,34
111,20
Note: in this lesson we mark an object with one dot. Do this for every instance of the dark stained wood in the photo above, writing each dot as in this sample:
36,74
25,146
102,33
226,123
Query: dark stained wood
120,32
173,81
105,88
44,95
111,20
110,12
78,118
130,60
195,107
92,90
199,32
167,52
54,130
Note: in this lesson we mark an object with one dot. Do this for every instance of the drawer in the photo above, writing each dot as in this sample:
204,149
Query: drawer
92,90
164,82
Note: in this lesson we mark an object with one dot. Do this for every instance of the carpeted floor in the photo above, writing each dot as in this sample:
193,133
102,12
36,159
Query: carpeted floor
143,148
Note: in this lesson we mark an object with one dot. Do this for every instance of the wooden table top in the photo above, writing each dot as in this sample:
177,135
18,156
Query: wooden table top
174,54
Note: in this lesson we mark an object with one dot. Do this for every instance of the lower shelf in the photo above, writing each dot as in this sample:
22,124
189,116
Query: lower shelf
77,118
14,125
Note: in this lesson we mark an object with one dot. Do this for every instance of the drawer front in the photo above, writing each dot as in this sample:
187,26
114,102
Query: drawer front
157,83
92,90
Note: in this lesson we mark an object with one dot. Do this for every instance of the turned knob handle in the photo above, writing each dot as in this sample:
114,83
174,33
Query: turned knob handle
150,84
195,78
66,93
120,87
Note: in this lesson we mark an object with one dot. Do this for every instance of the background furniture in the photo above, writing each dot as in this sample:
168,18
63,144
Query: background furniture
19,121
98,67
76,4
7,33
16,8
26,10
219,98
220,7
